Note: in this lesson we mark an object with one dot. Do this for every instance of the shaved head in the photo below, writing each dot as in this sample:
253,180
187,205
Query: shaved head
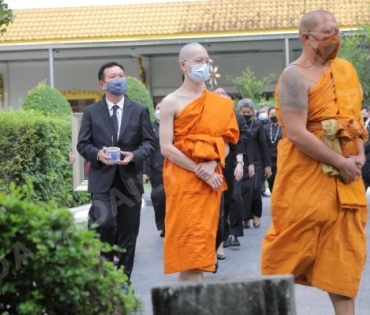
188,50
309,21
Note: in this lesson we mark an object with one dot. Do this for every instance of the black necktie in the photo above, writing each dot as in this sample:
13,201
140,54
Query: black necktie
115,119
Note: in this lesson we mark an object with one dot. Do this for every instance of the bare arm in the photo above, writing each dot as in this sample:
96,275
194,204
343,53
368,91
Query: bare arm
294,108
168,150
361,158
227,148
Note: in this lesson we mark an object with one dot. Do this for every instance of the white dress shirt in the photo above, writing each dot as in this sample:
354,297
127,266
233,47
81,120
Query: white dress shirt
367,123
119,111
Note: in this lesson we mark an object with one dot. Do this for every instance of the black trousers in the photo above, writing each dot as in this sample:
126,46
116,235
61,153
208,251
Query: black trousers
116,217
251,193
220,227
230,222
233,223
235,210
271,179
158,197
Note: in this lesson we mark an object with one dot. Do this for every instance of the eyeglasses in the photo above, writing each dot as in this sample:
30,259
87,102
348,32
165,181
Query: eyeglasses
328,32
202,61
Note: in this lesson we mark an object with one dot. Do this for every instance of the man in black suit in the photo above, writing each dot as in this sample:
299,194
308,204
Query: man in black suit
116,187
153,170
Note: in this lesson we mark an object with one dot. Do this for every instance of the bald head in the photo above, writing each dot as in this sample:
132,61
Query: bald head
189,50
311,19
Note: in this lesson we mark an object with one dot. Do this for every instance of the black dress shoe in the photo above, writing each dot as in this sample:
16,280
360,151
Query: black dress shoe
232,241
216,267
246,224
235,242
256,224
227,243
162,233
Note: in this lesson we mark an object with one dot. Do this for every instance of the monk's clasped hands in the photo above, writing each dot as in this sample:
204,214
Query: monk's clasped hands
206,171
350,169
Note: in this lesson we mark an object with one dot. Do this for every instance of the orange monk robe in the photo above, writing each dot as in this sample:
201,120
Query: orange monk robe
192,207
318,222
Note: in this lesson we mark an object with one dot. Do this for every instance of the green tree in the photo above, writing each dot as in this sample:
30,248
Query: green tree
248,86
356,49
47,100
6,16
137,92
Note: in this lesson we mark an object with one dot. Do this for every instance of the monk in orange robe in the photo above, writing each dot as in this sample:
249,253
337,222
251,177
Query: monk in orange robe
196,127
319,205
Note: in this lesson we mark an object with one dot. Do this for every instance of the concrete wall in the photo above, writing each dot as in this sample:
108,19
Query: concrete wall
268,295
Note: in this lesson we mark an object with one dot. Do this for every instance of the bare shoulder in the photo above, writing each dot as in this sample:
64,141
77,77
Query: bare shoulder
168,103
292,77
293,89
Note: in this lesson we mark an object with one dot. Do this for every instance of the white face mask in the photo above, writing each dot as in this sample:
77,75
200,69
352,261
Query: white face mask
200,73
262,116
157,114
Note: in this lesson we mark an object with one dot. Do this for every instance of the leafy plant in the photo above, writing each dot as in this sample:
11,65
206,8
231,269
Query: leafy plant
52,266
248,86
137,92
37,148
6,16
356,49
47,100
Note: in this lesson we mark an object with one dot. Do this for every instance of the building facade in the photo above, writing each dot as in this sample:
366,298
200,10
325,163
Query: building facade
66,46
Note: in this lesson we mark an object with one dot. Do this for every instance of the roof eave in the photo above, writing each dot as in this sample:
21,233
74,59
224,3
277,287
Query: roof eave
156,40
147,40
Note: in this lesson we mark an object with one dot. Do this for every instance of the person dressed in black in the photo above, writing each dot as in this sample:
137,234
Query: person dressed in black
153,170
251,191
366,167
243,157
231,223
116,187
273,135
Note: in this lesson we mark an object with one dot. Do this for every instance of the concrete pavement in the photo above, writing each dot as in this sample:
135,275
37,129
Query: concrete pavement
243,262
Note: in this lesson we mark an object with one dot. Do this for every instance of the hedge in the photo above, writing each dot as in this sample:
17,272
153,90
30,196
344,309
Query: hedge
35,148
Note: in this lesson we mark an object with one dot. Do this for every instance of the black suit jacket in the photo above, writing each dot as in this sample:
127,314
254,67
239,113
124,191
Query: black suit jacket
136,135
156,160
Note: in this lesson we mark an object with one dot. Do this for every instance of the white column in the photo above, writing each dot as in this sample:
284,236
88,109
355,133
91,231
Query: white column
51,67
286,51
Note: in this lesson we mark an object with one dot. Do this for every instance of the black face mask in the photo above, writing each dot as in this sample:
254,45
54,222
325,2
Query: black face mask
273,119
247,117
365,118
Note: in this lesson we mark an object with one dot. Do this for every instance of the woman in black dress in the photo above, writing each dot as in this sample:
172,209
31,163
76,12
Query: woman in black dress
273,135
251,191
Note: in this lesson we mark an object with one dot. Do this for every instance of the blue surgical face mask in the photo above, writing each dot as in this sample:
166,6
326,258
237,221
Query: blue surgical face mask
157,114
118,86
200,73
262,116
